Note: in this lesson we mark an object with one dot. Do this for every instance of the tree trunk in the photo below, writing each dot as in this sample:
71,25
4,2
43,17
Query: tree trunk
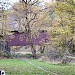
33,51
28,29
4,49
65,59
42,48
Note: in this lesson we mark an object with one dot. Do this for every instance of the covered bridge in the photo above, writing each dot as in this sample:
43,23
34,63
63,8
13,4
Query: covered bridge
21,39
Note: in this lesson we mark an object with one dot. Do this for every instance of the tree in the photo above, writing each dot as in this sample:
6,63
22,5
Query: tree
62,30
64,19
3,28
30,16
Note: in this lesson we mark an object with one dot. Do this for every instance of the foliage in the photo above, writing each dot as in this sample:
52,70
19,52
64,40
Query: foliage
62,30
58,18
4,26
30,18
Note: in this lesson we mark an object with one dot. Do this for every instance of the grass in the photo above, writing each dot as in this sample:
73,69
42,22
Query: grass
22,67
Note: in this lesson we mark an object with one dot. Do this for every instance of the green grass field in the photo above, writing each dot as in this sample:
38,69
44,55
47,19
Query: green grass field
34,67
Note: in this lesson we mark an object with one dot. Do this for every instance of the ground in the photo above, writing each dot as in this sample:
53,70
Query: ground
34,67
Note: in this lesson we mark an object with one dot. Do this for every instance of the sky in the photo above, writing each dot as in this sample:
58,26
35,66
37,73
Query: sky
7,3
41,0
14,1
11,2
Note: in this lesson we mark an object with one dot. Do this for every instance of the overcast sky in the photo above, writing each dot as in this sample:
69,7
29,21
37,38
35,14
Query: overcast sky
13,1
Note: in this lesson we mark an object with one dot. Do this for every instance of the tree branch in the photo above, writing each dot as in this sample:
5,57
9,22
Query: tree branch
34,2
